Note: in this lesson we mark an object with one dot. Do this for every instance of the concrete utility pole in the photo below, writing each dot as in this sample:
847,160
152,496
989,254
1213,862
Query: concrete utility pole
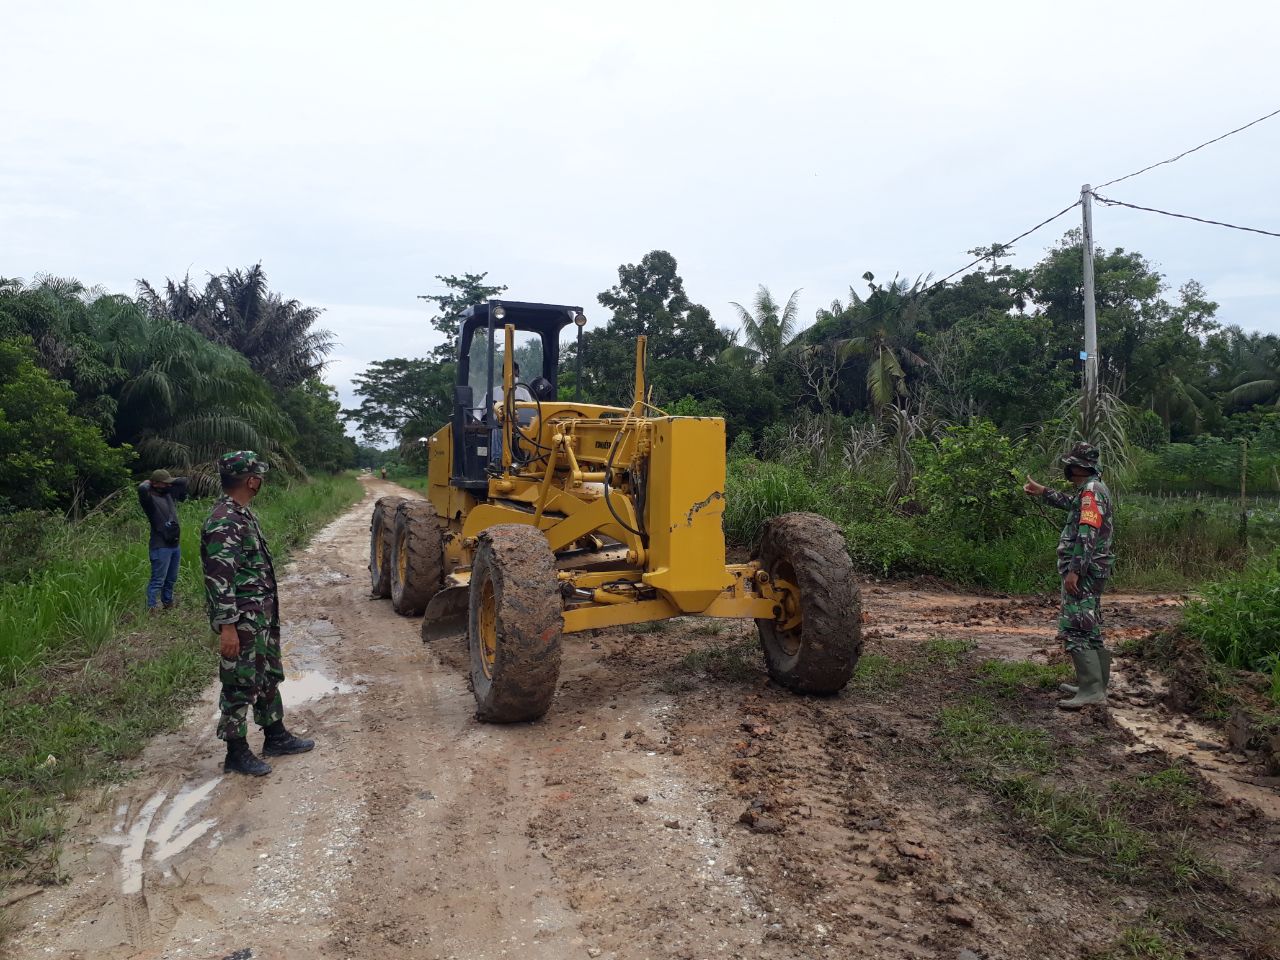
1090,313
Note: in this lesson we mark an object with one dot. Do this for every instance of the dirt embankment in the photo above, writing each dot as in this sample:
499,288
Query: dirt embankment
673,804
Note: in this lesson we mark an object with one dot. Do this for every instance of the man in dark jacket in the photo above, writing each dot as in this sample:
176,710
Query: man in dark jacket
159,498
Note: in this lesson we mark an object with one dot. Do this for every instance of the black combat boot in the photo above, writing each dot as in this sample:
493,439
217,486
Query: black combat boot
280,741
240,759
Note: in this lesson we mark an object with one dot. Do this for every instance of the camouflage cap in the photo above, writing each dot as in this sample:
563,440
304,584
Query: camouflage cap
241,463
1083,455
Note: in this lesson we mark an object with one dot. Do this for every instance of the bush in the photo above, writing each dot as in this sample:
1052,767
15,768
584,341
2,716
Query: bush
49,458
1238,619
972,480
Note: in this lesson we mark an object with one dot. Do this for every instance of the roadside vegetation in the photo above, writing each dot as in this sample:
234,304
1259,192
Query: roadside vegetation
86,676
97,389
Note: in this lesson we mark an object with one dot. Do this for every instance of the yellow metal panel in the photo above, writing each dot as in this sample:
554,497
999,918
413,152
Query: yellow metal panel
684,506
616,614
439,466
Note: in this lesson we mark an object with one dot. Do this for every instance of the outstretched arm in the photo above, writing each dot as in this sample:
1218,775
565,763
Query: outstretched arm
1033,488
1055,498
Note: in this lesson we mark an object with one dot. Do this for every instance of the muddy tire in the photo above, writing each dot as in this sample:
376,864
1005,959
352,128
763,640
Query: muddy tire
820,654
417,558
515,621
381,540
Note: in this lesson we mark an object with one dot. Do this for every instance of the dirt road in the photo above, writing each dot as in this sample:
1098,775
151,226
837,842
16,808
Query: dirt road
615,828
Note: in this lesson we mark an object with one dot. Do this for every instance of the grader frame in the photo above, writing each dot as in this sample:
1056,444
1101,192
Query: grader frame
594,516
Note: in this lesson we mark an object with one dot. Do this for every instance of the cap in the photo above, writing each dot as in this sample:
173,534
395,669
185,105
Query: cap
161,476
1083,455
241,463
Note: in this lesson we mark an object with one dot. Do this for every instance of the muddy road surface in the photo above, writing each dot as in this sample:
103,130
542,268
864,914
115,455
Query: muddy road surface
672,804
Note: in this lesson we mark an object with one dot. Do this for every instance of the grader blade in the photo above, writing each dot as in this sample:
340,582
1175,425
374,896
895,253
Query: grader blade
446,614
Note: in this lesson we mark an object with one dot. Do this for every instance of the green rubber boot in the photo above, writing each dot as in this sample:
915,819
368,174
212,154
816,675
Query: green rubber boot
1104,657
1089,672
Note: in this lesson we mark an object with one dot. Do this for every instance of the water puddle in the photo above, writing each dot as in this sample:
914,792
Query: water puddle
307,685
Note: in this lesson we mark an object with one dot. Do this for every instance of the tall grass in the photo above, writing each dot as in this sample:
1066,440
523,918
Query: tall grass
75,602
1238,621
87,678
1161,543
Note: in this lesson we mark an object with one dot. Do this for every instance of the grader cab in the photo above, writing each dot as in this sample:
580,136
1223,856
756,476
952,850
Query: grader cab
545,517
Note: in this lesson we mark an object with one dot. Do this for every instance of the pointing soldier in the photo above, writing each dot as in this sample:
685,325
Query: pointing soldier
244,611
1085,560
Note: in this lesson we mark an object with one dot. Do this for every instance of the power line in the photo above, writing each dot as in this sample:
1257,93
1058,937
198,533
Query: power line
1184,216
1184,153
1025,233
937,283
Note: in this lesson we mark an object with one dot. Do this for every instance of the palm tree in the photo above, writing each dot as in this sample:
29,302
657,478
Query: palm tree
880,328
768,332
1257,359
238,310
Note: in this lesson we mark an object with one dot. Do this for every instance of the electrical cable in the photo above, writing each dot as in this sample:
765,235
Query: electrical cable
1183,216
1129,176
973,263
608,476
1024,233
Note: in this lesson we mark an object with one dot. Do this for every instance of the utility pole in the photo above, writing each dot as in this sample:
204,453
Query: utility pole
1090,315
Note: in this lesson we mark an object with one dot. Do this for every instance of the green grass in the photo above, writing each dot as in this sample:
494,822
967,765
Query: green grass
1143,943
1238,619
92,676
1162,543
414,481
736,662
948,651
875,671
1011,678
992,749
1173,786
1127,828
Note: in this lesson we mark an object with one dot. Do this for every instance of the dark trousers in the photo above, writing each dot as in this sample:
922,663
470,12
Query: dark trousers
164,574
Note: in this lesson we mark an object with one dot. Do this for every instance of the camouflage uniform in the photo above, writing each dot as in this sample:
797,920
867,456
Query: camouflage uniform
1084,549
240,584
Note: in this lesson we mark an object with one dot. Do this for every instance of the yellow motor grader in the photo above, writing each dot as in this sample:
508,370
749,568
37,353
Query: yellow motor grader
545,517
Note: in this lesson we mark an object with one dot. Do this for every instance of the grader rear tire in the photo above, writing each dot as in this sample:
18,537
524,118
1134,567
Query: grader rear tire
820,654
417,559
515,622
381,539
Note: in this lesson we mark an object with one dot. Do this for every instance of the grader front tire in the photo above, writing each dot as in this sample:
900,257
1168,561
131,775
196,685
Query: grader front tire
417,560
515,621
381,542
820,653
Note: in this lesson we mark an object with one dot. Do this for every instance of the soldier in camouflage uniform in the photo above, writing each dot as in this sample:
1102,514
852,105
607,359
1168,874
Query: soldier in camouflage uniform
1085,560
240,584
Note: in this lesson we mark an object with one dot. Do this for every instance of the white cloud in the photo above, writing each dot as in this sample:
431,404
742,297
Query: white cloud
358,152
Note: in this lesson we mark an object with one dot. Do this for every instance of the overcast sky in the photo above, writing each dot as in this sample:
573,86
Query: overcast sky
357,150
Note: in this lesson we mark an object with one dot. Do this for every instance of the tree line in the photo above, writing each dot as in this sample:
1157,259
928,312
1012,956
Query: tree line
96,386
1001,344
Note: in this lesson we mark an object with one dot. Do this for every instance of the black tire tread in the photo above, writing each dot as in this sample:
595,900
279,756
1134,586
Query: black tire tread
830,604
417,521
382,524
530,612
